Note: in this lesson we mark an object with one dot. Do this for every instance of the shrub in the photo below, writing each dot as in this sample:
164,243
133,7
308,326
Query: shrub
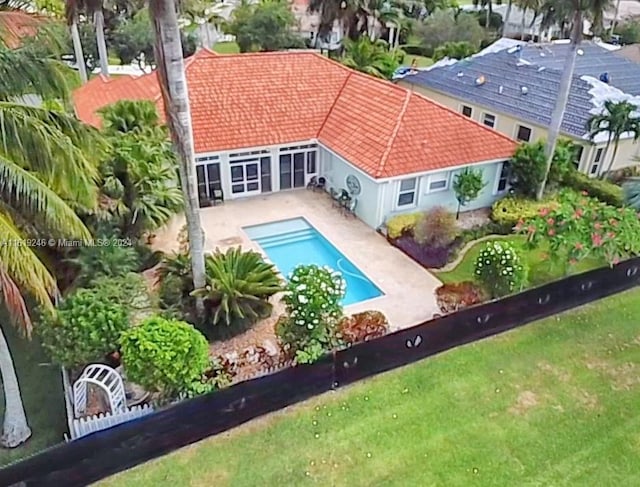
171,292
166,356
401,224
508,211
106,257
417,50
499,269
436,228
527,168
129,290
312,298
457,296
85,327
605,191
454,50
362,327
238,286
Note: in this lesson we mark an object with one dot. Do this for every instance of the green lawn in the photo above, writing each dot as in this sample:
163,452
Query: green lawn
554,403
422,61
541,270
41,387
226,48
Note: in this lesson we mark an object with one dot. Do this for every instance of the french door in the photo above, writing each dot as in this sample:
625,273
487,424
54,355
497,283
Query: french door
250,176
297,167
208,175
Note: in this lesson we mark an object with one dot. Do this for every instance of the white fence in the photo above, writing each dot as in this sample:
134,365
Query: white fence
83,426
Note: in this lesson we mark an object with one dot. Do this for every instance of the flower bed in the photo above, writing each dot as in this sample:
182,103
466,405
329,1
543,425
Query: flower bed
429,257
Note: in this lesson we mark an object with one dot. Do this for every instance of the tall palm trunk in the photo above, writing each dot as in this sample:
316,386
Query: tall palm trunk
489,12
15,429
173,82
98,21
563,95
615,18
507,15
524,13
616,142
77,50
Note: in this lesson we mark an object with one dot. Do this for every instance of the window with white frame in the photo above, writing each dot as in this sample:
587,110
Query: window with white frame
438,182
577,155
503,178
597,160
467,111
489,120
407,192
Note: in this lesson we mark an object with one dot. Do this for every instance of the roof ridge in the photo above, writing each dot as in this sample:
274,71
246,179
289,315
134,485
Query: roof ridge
333,104
394,134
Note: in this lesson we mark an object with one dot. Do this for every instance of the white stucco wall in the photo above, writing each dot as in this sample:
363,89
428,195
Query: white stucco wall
447,198
336,170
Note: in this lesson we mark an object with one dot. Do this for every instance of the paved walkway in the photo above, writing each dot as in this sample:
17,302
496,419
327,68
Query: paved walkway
409,289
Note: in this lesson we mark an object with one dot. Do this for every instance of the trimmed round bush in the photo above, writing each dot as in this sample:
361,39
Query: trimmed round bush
165,356
499,269
85,328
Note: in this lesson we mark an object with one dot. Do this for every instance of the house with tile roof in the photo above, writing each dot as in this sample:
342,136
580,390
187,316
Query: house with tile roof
513,90
16,25
266,122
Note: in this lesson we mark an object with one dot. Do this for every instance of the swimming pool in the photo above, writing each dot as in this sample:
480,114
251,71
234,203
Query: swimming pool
289,243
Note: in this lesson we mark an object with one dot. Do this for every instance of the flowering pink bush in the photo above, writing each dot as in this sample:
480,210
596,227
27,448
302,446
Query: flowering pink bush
582,226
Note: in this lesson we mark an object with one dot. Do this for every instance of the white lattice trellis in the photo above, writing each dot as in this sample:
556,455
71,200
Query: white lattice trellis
106,379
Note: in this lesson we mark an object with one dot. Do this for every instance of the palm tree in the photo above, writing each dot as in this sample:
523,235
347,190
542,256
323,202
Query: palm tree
579,9
238,286
173,83
91,8
42,164
370,57
71,16
617,119
525,5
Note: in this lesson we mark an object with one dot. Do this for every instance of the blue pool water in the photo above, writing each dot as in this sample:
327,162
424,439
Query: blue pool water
289,243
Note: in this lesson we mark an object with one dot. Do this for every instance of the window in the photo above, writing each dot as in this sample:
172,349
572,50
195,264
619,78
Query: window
438,182
489,120
503,178
407,193
577,155
297,165
593,170
523,134
467,111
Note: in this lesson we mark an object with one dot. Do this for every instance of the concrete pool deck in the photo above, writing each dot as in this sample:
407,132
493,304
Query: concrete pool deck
409,290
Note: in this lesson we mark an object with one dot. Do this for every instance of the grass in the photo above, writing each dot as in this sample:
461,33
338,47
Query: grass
554,403
541,269
41,387
226,48
422,61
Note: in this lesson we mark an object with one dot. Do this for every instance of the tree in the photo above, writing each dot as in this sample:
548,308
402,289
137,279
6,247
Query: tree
133,39
265,26
443,26
71,15
454,50
533,5
578,9
617,118
371,57
467,186
173,83
43,172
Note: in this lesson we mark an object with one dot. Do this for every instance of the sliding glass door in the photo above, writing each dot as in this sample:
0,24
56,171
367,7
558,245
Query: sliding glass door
297,166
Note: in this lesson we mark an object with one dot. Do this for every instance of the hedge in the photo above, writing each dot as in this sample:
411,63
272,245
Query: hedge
605,191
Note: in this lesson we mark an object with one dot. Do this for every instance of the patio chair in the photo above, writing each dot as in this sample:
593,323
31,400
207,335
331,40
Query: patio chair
321,184
313,182
218,196
335,197
350,208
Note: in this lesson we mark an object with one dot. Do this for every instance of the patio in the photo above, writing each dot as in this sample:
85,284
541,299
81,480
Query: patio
409,291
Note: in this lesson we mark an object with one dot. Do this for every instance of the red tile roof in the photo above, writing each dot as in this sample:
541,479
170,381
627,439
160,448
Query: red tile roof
250,100
16,25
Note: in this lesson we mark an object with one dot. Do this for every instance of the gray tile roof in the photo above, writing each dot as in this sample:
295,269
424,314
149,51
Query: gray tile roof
506,72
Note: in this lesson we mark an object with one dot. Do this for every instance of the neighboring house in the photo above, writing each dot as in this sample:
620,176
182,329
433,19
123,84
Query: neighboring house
268,122
514,91
14,26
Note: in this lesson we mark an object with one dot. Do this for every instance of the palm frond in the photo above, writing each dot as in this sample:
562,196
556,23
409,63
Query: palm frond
14,302
60,148
23,190
23,266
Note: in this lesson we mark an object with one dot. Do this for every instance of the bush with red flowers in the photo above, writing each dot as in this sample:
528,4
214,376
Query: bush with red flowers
582,226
